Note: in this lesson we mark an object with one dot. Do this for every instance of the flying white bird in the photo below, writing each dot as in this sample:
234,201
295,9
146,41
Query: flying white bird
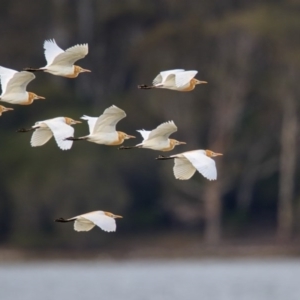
158,138
187,163
58,127
4,109
13,84
178,80
103,219
103,129
60,62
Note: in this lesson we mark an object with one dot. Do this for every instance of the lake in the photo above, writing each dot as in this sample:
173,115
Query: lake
156,280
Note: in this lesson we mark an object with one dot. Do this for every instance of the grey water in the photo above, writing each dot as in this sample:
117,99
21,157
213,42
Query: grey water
152,280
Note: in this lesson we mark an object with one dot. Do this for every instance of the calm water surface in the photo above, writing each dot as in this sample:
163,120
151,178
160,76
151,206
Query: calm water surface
155,280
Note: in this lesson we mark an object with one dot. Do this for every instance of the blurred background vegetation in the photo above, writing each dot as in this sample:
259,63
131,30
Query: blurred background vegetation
248,51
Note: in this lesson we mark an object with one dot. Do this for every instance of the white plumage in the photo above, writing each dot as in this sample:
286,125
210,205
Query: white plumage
178,79
104,220
14,84
58,127
103,129
186,164
60,62
158,138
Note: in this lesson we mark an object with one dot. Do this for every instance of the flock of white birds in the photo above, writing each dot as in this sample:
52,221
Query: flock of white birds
103,128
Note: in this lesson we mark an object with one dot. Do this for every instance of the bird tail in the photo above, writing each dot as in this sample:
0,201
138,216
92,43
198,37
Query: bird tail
33,70
71,138
161,157
25,130
62,220
145,87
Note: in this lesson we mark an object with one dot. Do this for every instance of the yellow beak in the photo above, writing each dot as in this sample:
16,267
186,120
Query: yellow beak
7,108
182,143
131,136
77,122
40,97
85,70
201,82
118,217
218,154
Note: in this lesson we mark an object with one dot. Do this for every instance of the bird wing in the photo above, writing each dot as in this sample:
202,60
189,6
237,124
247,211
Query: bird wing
183,78
19,82
183,169
40,136
108,120
51,51
83,224
162,76
91,122
105,222
71,55
163,131
144,133
61,131
204,164
5,75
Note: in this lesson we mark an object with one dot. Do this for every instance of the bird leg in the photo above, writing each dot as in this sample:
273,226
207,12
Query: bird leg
25,130
33,70
126,147
74,139
145,87
62,220
161,157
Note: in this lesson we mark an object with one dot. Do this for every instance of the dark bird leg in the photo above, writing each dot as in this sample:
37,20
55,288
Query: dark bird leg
62,220
75,139
33,70
161,157
145,87
127,147
26,130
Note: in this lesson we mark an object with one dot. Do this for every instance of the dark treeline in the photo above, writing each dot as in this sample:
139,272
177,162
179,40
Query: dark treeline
248,51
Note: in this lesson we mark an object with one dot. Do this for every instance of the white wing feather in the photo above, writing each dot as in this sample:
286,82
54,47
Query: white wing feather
162,76
144,133
5,75
108,120
40,136
18,83
105,222
83,224
91,122
51,51
183,169
163,131
183,78
71,55
60,132
204,164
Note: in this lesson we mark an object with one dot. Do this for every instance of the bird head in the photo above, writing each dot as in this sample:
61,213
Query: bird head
125,136
210,153
176,143
70,121
3,109
196,81
78,70
112,215
33,96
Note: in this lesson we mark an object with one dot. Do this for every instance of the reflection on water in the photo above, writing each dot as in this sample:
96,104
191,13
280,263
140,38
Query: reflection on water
157,280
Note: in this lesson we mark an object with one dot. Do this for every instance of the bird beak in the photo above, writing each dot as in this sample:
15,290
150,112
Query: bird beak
7,109
40,97
77,122
182,143
85,70
218,154
118,217
201,82
130,137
